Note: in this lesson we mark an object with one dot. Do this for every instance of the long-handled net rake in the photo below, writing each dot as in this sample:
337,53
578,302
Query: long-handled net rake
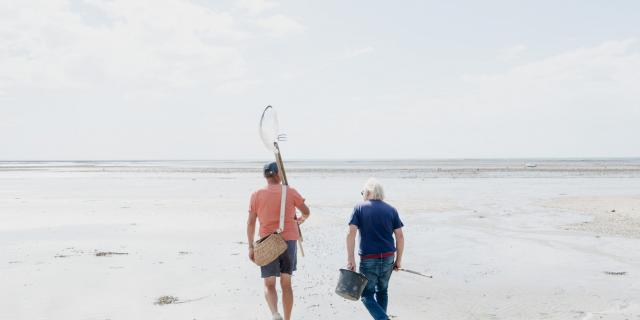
269,132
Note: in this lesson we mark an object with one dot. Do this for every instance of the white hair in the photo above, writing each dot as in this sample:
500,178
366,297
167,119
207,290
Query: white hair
372,190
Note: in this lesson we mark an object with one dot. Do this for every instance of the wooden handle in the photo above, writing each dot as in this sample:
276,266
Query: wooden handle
283,177
300,244
280,163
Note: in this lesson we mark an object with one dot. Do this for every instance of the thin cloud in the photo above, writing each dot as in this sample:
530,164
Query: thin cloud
332,62
256,7
141,45
611,62
280,25
358,52
513,53
559,105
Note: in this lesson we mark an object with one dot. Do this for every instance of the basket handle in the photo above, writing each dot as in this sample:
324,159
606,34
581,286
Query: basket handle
283,178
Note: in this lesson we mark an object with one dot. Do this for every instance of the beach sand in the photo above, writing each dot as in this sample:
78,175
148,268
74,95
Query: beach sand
612,215
92,242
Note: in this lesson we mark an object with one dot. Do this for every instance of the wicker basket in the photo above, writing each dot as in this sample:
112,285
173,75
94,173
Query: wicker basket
269,249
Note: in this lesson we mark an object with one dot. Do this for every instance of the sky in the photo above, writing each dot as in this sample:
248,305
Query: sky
188,79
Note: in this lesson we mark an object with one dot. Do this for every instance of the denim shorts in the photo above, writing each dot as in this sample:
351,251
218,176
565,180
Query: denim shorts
285,263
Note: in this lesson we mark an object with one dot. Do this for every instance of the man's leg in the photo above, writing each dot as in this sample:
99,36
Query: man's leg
270,294
369,269
287,295
382,297
383,283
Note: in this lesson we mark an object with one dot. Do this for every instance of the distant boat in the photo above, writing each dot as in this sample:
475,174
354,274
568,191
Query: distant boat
530,165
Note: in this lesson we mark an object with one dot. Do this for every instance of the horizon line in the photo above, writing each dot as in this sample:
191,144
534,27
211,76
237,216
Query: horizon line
329,159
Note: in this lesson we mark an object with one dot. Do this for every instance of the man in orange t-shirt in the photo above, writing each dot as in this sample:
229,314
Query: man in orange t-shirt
265,207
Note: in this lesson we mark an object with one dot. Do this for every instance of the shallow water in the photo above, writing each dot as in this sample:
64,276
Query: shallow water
443,168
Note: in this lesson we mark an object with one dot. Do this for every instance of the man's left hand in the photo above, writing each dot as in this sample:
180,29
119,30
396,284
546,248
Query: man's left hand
301,219
397,265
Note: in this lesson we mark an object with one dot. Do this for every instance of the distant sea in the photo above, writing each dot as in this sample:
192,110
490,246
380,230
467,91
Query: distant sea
440,168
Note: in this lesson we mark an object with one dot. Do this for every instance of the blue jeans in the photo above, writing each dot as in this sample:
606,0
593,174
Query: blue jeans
374,296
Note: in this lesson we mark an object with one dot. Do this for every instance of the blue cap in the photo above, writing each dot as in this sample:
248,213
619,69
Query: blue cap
270,169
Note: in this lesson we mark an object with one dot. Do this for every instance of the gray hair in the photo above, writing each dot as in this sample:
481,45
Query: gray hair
372,190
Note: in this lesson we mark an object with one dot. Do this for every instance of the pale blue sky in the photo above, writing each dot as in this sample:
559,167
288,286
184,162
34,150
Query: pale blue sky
171,79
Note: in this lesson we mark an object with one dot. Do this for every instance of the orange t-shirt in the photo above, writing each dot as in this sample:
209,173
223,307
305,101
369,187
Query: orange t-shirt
265,203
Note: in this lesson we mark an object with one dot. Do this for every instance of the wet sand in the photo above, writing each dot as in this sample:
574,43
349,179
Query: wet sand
88,243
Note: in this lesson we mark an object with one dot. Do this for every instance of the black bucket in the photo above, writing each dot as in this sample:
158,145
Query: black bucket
351,284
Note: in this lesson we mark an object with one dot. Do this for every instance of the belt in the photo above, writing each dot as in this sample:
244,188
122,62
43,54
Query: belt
377,255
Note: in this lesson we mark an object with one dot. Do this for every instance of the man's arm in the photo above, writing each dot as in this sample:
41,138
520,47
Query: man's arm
251,231
351,246
399,247
304,210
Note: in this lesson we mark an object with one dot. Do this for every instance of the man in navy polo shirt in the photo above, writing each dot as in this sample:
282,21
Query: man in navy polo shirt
378,223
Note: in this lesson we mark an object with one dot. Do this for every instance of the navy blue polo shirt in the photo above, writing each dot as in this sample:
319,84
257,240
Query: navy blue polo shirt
376,220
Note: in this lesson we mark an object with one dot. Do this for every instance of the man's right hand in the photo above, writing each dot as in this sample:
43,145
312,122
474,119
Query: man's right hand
251,254
351,264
